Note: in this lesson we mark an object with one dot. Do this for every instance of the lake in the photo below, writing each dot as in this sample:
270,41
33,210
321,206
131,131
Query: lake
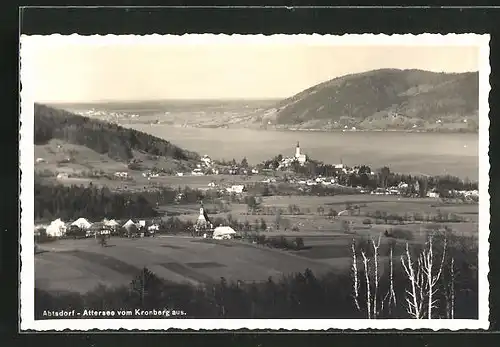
426,153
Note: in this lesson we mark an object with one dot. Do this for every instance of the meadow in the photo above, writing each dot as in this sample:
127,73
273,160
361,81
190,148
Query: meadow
81,265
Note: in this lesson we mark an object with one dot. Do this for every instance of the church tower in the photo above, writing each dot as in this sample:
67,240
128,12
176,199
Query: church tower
297,150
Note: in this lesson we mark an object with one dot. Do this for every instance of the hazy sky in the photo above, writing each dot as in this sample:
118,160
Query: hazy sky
80,73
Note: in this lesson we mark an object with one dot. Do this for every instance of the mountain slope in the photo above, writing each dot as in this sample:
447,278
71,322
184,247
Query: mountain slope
382,100
104,138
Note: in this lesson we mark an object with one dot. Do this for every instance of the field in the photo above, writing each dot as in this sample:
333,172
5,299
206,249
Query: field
80,265
311,221
85,160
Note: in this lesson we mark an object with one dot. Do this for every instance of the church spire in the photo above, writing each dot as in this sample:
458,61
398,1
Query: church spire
298,144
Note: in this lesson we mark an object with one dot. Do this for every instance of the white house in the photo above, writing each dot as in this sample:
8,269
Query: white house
82,223
62,176
238,189
223,233
129,224
56,229
153,228
111,223
197,172
432,194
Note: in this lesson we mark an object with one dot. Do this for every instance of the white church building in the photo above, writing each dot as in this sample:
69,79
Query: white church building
298,157
301,158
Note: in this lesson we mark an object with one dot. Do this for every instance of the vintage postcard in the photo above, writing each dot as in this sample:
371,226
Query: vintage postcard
298,182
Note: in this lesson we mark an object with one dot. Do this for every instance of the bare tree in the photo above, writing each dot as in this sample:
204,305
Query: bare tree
355,275
414,296
432,278
367,278
374,303
423,280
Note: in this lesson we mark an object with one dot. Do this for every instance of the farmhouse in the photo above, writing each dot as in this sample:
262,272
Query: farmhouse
56,229
431,194
82,223
113,224
62,176
238,189
121,174
153,228
100,228
197,172
224,233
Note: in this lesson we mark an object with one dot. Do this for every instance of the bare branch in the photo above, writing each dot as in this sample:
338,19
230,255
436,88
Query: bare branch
367,278
355,276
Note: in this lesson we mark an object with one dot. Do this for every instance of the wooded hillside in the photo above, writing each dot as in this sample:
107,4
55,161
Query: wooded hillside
105,138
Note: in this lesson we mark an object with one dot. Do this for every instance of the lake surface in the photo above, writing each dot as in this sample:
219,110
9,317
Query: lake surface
427,153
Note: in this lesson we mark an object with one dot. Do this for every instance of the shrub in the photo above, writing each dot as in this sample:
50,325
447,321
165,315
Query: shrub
299,243
367,221
400,233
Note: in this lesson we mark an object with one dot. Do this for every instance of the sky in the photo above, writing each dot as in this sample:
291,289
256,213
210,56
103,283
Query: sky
121,72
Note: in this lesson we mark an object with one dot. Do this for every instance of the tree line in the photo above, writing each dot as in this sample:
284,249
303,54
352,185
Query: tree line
72,202
103,137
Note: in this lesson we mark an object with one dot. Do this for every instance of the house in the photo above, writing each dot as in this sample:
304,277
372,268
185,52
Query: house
121,174
255,171
99,228
82,223
238,189
62,176
56,229
153,228
197,172
180,174
40,160
112,224
129,224
223,233
432,194
131,227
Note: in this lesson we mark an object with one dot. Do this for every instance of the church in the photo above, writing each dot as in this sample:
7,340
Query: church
301,158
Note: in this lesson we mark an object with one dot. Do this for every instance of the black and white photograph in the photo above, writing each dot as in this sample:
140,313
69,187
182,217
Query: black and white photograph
300,182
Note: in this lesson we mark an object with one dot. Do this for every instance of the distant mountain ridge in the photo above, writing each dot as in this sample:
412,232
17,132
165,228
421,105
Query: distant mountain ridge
102,137
386,99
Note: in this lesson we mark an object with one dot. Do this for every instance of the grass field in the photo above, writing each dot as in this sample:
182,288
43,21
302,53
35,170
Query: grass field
80,265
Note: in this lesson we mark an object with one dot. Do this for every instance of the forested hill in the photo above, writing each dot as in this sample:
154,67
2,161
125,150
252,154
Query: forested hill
383,100
105,138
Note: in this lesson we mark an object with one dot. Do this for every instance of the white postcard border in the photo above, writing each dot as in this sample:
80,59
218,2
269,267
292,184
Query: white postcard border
27,321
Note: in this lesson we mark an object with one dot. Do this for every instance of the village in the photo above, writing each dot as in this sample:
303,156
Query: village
279,172
296,171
